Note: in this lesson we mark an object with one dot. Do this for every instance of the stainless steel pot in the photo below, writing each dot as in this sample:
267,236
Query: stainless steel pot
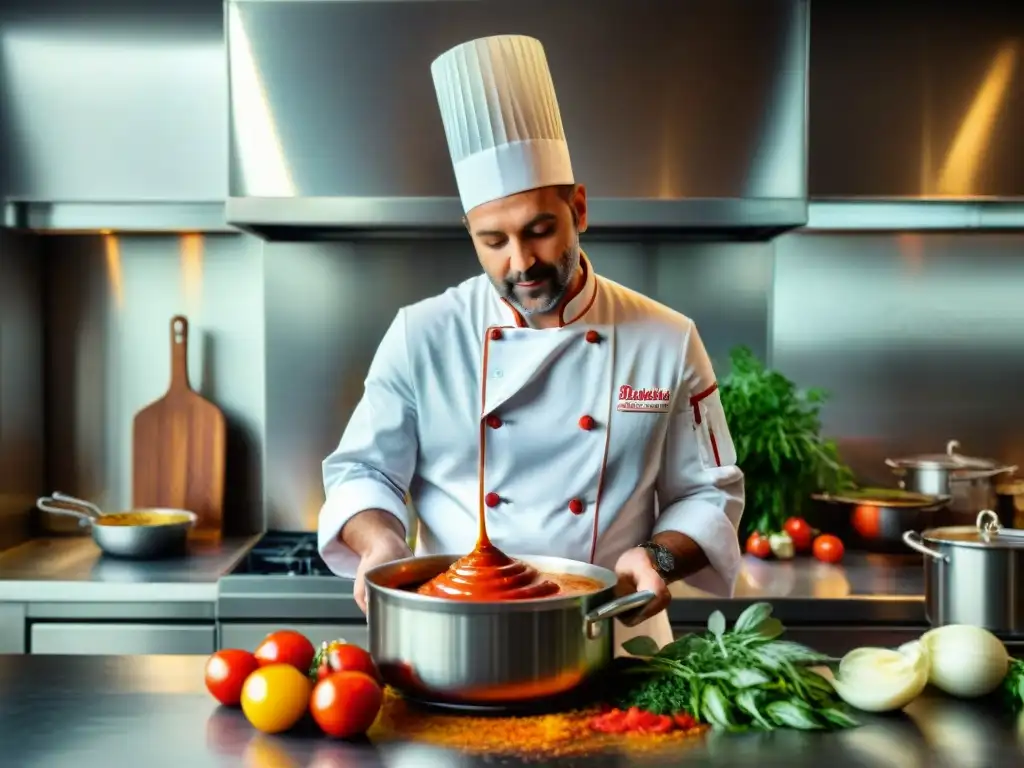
138,542
970,482
490,653
972,574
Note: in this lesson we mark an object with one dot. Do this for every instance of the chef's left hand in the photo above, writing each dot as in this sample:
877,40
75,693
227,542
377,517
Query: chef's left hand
636,574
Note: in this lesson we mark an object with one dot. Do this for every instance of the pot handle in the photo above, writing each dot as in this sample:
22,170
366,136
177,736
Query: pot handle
913,540
614,609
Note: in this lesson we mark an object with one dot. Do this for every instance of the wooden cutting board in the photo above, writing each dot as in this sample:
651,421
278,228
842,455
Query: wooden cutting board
179,447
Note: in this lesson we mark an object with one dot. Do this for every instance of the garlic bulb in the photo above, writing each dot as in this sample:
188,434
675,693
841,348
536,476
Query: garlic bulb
965,660
881,679
781,545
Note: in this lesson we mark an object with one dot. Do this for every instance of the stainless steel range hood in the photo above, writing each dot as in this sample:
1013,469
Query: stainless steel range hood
683,119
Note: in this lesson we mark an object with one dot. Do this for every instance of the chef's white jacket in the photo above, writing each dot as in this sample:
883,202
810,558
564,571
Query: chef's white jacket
599,434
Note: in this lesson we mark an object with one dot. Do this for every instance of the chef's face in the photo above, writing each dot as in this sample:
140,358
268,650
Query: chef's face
529,246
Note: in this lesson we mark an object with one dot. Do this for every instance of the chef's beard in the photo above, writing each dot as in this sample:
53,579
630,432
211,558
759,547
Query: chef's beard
556,279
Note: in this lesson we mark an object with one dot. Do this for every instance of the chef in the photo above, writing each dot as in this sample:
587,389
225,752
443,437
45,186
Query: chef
583,417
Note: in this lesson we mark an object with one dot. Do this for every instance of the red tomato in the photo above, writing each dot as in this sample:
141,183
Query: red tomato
828,548
344,657
800,532
286,647
758,546
226,672
345,704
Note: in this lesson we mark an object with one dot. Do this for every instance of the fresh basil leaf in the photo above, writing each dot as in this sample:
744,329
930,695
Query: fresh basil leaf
683,647
746,701
752,617
770,628
715,708
837,717
716,624
789,715
748,678
640,646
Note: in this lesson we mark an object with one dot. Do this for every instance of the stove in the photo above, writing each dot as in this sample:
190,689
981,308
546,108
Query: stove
283,578
284,553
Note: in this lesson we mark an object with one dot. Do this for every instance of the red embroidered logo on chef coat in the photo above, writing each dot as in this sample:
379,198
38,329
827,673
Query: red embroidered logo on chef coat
646,400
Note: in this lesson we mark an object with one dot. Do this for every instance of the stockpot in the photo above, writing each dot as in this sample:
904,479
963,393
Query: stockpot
968,481
971,574
490,654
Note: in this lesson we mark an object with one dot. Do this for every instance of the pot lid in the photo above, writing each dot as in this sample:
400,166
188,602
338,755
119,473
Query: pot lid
948,460
986,533
882,497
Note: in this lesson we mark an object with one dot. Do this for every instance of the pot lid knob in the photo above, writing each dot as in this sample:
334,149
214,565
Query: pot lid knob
989,526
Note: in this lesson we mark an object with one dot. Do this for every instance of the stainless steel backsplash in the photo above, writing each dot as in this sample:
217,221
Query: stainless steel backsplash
21,384
919,338
109,302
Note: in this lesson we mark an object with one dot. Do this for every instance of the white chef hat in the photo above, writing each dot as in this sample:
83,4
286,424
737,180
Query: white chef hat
501,118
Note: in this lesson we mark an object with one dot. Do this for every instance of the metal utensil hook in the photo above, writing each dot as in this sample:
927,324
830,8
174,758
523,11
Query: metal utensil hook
989,526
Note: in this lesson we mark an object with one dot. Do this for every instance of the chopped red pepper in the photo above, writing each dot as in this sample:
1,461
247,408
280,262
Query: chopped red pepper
612,721
684,721
657,724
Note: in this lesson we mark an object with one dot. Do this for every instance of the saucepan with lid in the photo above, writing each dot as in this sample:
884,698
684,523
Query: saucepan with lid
969,481
491,654
137,534
972,573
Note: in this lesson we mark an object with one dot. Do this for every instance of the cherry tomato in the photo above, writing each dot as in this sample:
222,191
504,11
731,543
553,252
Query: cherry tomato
275,697
758,546
828,548
345,704
226,671
286,647
340,656
800,532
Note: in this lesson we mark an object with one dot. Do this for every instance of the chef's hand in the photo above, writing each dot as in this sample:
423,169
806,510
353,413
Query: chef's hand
636,574
385,548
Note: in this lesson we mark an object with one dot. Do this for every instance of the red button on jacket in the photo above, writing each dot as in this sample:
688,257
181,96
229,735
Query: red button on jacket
593,337
493,421
576,507
587,423
492,499
495,334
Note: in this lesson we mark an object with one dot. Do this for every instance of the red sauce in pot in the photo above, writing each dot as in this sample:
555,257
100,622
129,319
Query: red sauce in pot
488,574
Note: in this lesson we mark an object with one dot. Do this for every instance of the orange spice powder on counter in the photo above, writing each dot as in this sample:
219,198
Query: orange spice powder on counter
555,735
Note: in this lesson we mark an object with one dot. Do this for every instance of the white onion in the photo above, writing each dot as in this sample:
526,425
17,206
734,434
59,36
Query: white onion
881,679
965,660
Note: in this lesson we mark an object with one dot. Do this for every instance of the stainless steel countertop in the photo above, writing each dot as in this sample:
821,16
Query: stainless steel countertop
863,588
73,569
869,589
114,712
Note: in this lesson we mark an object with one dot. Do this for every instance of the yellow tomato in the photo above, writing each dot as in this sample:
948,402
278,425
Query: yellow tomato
275,697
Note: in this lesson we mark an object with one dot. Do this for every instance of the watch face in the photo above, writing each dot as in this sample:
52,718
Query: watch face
661,558
665,561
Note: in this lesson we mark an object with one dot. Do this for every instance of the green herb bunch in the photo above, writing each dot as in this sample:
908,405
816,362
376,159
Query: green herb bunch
1012,689
739,679
776,429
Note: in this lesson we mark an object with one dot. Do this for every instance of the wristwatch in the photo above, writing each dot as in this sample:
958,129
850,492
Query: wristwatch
662,559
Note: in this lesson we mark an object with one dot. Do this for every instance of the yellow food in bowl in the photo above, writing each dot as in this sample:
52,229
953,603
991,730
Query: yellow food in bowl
143,518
